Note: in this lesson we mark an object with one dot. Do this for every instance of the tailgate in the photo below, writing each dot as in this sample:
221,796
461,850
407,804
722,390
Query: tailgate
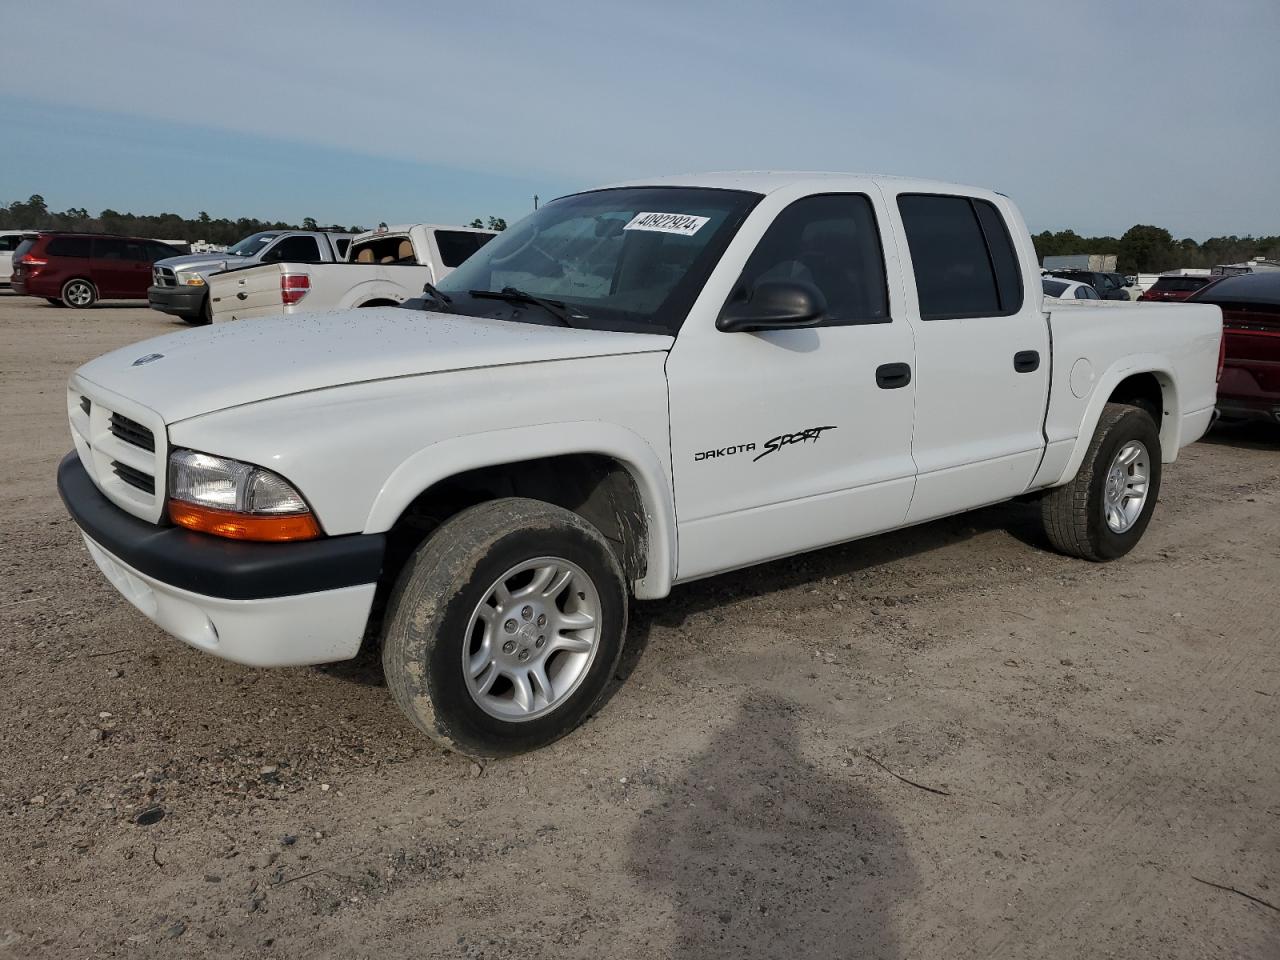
249,292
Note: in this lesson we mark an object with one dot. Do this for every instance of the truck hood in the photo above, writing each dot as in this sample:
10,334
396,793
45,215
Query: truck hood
202,263
186,374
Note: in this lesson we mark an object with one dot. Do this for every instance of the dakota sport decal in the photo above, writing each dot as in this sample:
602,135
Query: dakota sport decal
772,445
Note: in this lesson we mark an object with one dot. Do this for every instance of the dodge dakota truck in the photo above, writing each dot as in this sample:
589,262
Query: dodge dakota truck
180,285
633,388
383,268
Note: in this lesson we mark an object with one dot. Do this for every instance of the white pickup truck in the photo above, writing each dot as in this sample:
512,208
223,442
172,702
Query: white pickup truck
632,388
384,267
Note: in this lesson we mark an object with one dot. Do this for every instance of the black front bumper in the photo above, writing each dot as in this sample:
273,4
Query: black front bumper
212,566
181,301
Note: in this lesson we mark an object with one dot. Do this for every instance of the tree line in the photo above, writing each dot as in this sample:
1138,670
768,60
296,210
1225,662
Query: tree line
34,214
1141,249
1147,249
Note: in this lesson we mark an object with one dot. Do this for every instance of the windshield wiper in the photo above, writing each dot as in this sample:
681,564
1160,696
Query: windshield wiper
438,296
556,308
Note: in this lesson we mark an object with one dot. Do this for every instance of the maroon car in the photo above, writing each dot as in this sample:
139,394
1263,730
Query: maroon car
79,269
1175,288
1250,383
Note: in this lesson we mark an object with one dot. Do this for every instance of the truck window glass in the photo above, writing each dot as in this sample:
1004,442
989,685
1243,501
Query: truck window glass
832,242
456,245
341,246
1003,258
297,249
953,267
628,259
383,249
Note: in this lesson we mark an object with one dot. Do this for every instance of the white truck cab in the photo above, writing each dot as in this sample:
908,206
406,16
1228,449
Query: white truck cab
633,387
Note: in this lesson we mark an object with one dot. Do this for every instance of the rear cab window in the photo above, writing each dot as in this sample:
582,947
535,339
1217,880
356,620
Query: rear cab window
963,257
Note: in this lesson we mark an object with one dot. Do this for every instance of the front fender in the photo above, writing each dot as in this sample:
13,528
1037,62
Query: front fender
492,448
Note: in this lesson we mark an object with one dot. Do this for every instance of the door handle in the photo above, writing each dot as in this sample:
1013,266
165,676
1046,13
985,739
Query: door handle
891,376
1026,361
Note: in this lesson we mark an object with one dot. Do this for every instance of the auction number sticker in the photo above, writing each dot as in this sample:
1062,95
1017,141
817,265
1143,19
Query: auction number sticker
681,223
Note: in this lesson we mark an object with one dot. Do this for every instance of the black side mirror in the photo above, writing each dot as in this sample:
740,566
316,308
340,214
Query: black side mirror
774,305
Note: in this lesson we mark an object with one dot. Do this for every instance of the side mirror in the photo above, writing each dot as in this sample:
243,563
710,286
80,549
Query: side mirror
774,305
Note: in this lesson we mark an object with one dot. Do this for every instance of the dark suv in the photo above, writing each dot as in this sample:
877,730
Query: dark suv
79,269
1110,286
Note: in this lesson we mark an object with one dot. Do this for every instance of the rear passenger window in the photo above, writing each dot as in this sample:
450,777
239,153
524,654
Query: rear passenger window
69,247
832,242
456,245
297,249
342,246
963,257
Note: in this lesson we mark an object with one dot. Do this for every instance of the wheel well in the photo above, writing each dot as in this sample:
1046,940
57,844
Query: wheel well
380,302
1141,390
597,488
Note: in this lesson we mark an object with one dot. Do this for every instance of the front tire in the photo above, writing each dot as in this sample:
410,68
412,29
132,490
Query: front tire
55,302
505,627
203,318
79,293
1103,511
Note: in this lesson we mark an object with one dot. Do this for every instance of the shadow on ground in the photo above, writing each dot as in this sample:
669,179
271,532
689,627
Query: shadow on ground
762,854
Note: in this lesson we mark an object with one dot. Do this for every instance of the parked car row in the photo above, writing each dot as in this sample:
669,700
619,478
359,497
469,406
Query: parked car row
273,271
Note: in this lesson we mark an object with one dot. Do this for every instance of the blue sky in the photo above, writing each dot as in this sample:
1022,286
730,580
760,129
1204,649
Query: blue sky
1092,114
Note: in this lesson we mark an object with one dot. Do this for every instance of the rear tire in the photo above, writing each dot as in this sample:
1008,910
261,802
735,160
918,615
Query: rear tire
79,293
1103,511
505,627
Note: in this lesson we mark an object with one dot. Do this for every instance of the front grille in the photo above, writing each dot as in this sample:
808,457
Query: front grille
134,477
131,431
85,405
164,277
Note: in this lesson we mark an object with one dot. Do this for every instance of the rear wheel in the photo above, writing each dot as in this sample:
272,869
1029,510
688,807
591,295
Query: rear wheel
505,627
79,293
1103,512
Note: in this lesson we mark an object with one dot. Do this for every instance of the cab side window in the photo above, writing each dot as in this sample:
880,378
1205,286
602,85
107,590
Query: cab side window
963,257
298,249
832,242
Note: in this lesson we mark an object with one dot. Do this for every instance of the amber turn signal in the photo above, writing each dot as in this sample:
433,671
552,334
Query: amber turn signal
243,526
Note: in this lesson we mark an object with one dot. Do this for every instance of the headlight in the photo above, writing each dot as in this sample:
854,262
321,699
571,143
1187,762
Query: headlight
193,280
229,498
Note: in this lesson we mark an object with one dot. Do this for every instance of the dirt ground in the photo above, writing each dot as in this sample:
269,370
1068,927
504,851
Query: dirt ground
1096,741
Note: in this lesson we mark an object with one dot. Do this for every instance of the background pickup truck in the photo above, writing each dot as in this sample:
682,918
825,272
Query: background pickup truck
179,285
632,388
384,267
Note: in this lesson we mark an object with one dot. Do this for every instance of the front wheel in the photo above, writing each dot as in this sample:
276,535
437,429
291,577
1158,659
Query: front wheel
505,627
203,318
79,293
1103,511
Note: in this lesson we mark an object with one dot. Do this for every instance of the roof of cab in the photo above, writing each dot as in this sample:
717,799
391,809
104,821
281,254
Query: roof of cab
767,181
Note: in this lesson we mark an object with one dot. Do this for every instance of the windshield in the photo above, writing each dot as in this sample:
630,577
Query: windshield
251,244
631,259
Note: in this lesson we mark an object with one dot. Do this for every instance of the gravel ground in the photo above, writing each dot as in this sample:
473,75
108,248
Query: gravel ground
945,742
